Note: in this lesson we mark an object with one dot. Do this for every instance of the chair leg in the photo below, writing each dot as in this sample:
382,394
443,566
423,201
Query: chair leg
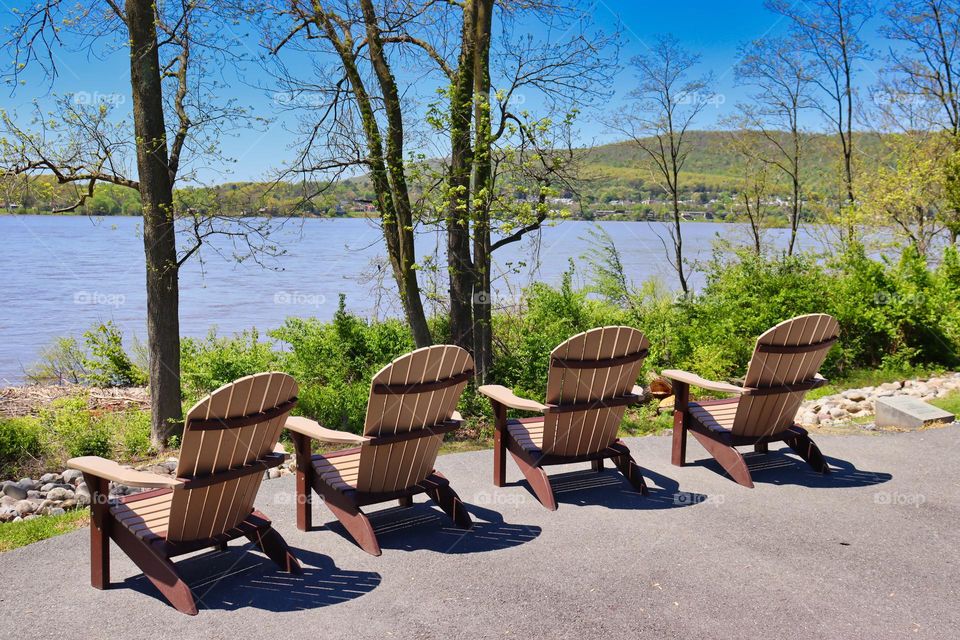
761,447
728,457
273,545
101,523
157,568
405,501
681,397
631,471
597,465
499,445
448,500
304,482
539,482
356,523
221,546
804,447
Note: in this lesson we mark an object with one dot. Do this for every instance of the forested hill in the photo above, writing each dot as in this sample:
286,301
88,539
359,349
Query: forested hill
621,170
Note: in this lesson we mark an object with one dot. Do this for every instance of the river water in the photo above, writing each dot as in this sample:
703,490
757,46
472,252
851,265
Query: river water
63,274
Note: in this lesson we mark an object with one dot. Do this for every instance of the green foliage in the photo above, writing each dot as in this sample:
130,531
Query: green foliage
108,364
68,428
524,341
334,361
207,364
76,428
21,439
898,316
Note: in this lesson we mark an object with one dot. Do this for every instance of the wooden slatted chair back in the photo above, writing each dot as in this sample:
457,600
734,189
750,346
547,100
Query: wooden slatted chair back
225,435
785,362
589,383
412,401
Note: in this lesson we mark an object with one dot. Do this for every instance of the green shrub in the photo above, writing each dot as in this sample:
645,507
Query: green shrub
21,441
132,430
73,426
334,361
209,363
108,364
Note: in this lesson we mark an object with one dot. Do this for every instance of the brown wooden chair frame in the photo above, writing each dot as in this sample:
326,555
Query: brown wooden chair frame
722,443
346,503
532,461
152,553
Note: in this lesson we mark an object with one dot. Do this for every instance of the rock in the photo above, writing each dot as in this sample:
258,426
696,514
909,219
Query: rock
46,487
856,395
7,514
809,418
48,478
34,495
60,493
56,511
171,465
15,491
68,504
909,413
83,495
273,473
72,476
24,507
7,501
28,484
837,412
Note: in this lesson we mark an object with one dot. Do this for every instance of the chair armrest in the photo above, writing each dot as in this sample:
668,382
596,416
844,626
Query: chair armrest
456,417
110,470
697,381
312,429
499,393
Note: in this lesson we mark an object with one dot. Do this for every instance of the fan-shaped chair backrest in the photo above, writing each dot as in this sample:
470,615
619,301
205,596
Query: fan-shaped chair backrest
782,369
224,436
590,380
414,395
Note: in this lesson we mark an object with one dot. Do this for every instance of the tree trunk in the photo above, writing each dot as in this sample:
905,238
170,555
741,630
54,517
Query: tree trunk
459,263
159,239
678,239
405,244
483,196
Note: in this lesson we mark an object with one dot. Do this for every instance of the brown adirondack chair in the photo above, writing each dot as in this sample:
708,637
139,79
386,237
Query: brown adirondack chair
591,381
229,439
412,405
783,368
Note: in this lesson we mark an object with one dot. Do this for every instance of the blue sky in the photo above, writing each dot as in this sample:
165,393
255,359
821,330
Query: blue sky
714,29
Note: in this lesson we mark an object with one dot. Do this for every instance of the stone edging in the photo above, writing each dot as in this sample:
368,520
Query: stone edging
857,403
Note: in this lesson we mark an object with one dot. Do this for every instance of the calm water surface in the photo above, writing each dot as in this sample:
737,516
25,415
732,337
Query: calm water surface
61,275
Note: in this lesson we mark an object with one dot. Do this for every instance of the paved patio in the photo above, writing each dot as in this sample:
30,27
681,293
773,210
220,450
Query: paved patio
868,552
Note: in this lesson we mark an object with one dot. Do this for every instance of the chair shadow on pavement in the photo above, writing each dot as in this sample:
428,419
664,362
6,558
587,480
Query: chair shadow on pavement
777,467
424,527
608,488
241,577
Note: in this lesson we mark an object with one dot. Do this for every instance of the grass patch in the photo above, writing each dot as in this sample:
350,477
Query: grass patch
950,403
19,534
